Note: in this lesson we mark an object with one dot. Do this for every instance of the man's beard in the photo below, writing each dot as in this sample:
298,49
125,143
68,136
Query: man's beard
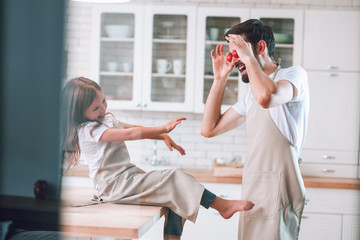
245,78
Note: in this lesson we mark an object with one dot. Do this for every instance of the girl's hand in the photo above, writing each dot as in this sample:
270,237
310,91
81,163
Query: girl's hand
171,144
173,123
244,49
221,67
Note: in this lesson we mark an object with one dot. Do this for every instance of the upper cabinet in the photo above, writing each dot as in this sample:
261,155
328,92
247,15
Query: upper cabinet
287,26
117,55
331,40
212,24
169,63
142,56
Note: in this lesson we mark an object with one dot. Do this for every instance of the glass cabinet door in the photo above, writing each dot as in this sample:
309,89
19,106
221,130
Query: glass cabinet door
287,27
117,42
116,55
216,27
283,29
169,58
213,23
168,77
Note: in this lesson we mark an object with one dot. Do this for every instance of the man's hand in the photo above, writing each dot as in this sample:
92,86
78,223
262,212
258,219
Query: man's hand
221,67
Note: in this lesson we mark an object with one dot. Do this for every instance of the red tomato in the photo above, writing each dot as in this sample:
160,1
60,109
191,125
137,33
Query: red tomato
234,53
229,57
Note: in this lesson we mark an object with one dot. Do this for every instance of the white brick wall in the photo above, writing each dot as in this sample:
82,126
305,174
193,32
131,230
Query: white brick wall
200,151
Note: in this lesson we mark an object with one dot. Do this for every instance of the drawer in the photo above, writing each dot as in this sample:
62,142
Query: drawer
332,201
328,170
329,157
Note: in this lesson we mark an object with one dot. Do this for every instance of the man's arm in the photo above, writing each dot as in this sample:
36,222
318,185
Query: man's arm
214,123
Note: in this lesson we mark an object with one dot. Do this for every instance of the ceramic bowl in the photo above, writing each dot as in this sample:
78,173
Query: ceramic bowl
282,38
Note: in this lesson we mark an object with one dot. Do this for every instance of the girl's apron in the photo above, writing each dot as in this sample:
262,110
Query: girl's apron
119,181
272,180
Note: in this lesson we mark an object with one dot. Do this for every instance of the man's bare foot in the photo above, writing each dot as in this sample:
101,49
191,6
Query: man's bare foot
227,208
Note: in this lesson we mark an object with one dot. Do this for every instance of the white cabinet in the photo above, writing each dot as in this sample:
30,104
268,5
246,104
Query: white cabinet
331,40
117,44
331,214
320,226
130,41
351,227
332,141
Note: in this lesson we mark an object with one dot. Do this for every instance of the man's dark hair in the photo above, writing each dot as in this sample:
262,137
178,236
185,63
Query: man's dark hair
254,31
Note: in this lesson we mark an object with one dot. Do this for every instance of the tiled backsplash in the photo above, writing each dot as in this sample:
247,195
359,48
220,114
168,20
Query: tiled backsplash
200,151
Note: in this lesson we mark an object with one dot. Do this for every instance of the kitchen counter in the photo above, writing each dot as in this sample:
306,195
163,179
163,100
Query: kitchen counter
123,221
206,175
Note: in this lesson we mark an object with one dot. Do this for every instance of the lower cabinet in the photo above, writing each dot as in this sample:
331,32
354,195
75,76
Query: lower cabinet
320,226
351,227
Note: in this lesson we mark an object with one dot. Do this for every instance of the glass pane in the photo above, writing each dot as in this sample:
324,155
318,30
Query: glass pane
167,89
216,27
116,55
283,29
168,58
117,87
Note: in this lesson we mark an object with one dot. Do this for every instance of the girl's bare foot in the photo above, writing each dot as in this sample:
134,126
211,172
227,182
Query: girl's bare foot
227,208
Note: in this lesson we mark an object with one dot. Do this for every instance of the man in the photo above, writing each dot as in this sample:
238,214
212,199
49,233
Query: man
276,112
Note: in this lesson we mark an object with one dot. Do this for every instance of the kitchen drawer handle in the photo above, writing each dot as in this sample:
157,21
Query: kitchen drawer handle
332,74
144,105
305,217
332,67
325,170
137,105
328,157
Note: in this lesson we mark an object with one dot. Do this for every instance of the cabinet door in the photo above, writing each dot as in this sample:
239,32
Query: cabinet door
287,26
331,40
117,45
334,111
320,226
169,58
211,26
351,227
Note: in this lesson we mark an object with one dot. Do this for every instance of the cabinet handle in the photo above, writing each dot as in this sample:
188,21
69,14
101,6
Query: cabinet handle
332,74
137,105
305,217
306,201
325,170
332,67
144,105
328,157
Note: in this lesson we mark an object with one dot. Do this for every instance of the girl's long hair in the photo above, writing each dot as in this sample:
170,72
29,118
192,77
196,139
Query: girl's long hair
78,94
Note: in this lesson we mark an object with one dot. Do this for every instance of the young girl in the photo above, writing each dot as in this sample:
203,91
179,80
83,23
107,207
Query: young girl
89,129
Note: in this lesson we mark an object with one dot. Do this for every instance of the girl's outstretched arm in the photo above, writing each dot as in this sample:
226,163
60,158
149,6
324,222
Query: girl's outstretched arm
135,133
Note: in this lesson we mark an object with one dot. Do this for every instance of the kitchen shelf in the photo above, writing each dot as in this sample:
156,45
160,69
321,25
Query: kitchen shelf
168,75
107,39
116,73
233,78
158,40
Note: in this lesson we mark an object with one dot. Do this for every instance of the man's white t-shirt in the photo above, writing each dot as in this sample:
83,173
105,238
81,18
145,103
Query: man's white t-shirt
91,149
290,118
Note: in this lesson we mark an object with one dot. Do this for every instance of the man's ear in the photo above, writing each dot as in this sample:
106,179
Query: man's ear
261,47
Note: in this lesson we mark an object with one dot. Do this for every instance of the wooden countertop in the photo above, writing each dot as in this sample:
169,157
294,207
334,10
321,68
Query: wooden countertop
206,175
106,219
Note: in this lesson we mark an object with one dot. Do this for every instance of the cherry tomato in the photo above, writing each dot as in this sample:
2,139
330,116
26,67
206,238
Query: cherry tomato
229,57
234,53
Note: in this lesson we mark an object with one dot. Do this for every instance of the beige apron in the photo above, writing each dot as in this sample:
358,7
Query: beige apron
119,181
272,180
